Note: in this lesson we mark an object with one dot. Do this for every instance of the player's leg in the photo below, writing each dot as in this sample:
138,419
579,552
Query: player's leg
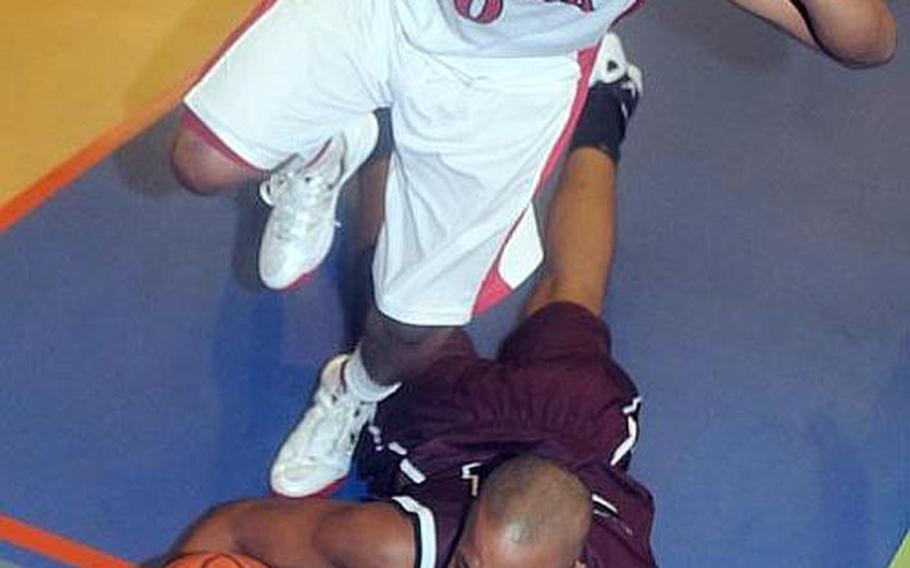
563,345
393,351
205,165
304,194
292,94
450,204
581,218
316,456
239,114
457,190
368,212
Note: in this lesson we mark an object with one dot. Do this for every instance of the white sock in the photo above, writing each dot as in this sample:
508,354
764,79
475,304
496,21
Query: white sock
358,381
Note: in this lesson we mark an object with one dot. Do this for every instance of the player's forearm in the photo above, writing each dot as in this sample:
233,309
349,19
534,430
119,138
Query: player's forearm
580,234
856,32
277,532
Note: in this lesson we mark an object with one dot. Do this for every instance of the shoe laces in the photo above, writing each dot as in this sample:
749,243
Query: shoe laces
342,418
301,200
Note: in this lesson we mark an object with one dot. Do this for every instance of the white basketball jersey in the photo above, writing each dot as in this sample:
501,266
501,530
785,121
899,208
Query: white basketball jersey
508,28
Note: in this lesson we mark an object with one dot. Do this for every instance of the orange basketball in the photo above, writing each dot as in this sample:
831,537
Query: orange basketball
215,560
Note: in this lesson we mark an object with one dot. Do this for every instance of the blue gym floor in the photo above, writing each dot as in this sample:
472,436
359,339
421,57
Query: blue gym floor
761,299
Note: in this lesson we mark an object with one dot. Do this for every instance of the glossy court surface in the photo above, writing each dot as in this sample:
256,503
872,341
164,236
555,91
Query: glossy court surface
760,299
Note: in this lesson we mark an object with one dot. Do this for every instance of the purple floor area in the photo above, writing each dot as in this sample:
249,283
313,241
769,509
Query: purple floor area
760,299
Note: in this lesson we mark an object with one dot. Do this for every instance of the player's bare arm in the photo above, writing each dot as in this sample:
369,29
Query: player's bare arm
580,229
306,533
580,234
855,32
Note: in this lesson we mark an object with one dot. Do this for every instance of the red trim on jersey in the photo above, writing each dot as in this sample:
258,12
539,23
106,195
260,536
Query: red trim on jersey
586,59
194,124
494,289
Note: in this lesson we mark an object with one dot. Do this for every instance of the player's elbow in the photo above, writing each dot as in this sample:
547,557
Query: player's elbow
870,54
194,163
872,46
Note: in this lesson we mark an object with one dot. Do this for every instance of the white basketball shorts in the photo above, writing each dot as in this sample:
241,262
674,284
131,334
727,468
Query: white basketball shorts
475,138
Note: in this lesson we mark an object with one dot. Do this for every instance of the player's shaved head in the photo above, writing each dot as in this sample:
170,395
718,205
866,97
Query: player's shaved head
529,507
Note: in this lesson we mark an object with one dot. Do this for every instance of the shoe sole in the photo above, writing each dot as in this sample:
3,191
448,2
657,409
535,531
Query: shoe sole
332,487
300,282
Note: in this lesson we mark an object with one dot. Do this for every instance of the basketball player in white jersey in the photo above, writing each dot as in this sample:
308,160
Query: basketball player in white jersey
483,95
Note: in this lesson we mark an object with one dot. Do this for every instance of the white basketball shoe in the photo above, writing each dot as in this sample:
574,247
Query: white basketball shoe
613,69
301,226
316,457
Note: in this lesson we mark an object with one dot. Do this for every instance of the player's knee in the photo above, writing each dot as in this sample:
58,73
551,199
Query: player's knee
405,335
205,169
192,163
395,351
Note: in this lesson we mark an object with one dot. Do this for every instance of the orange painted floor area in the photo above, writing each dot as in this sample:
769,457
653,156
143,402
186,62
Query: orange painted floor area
74,71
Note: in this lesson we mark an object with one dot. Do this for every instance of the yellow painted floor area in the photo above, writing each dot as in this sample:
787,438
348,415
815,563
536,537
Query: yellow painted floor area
75,69
902,559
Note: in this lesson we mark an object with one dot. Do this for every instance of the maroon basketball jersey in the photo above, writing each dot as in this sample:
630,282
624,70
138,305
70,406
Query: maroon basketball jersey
554,391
